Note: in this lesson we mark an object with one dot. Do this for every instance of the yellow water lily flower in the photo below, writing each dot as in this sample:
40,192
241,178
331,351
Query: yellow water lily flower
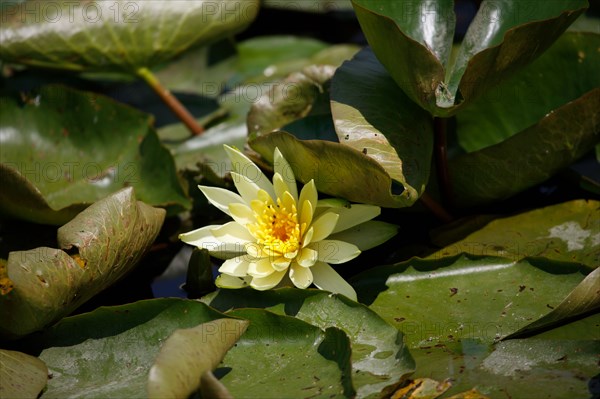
277,233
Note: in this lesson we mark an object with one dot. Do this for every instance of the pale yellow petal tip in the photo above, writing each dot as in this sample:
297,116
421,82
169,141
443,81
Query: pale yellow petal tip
231,282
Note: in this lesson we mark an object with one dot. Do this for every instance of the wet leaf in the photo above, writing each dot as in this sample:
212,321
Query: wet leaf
567,232
583,299
120,35
414,40
189,353
21,376
101,245
564,73
372,114
283,357
529,368
379,358
515,294
65,149
109,351
337,169
289,100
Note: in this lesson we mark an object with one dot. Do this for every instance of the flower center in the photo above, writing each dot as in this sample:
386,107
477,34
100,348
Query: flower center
277,228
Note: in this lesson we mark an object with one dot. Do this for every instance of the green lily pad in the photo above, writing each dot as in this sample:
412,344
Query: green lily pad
583,299
65,149
109,352
414,40
189,353
289,100
337,169
372,114
380,360
101,245
283,357
316,6
117,36
515,294
562,74
567,232
21,375
527,368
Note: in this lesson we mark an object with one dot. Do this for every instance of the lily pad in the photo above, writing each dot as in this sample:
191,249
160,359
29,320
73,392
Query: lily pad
189,353
283,357
564,73
65,149
528,368
109,352
116,36
371,114
337,169
414,40
380,360
566,232
101,245
515,293
21,375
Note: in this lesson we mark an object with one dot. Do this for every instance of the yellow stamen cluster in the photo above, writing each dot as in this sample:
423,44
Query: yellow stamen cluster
277,228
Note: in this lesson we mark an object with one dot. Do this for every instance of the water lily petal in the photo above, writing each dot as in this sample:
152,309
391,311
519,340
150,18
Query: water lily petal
308,193
255,250
353,215
307,257
288,202
246,187
280,186
302,277
237,267
220,197
306,215
333,251
241,213
290,254
283,168
260,268
266,283
325,278
281,263
324,225
227,281
243,165
233,232
203,238
367,235
308,237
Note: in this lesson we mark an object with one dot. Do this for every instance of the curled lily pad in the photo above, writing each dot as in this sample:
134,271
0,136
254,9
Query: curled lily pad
414,40
21,375
63,149
120,35
101,245
380,361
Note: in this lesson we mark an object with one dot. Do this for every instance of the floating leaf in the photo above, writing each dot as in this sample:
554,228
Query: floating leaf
21,376
189,353
562,74
453,290
566,232
422,388
101,245
120,35
109,352
379,358
283,357
64,149
371,114
528,368
414,40
337,169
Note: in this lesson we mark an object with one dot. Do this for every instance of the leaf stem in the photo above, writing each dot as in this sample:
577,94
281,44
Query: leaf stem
436,208
440,127
172,102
